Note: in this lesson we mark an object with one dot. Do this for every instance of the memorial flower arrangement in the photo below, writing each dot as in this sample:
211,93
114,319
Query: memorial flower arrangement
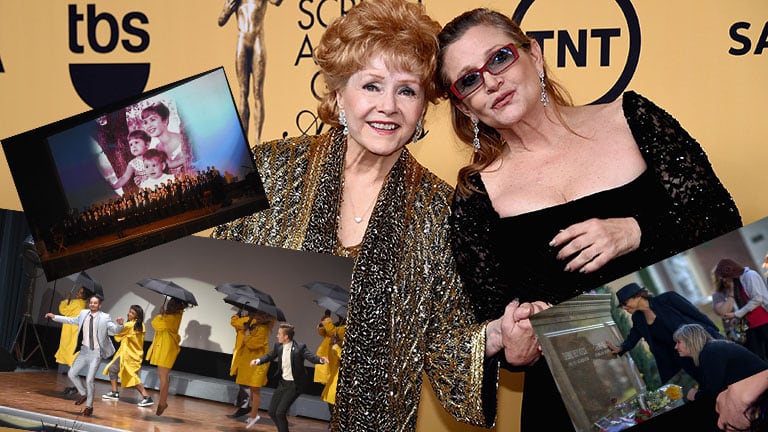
673,391
657,400
641,408
643,415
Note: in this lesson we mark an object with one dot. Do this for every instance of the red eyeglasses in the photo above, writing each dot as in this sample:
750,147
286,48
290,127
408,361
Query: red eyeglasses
499,61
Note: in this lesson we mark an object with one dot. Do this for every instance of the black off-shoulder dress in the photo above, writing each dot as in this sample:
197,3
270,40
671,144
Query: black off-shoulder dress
678,202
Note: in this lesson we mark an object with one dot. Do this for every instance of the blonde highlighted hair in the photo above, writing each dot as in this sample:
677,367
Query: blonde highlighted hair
695,337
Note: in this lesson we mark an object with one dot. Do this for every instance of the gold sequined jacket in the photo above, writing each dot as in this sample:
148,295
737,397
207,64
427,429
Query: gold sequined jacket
406,314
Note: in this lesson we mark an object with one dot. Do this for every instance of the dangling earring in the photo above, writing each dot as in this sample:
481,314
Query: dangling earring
544,96
419,131
476,131
343,122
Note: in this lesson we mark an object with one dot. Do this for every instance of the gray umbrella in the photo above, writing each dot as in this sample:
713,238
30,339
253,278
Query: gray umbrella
328,289
254,304
336,306
169,289
247,290
83,279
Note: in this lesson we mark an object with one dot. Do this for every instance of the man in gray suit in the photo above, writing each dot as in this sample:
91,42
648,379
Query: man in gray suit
94,328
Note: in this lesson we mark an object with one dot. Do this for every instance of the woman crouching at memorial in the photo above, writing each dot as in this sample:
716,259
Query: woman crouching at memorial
655,318
720,362
356,191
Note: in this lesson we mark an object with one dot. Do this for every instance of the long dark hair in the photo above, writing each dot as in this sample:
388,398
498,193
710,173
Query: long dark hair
491,143
729,269
258,318
175,306
139,326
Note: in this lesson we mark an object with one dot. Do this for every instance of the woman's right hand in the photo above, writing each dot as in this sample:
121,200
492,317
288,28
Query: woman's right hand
614,349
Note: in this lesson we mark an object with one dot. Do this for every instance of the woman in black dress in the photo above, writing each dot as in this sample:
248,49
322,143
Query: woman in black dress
559,199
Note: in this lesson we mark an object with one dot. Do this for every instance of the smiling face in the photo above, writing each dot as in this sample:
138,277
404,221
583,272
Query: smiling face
132,314
154,125
504,99
94,304
382,108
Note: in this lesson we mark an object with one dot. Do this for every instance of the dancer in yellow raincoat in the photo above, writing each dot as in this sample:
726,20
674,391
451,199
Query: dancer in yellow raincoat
166,345
253,344
127,360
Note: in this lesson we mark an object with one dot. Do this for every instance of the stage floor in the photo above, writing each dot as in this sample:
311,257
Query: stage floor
36,393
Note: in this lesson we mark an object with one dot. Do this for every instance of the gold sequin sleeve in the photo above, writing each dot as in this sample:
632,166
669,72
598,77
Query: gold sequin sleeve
454,342
406,313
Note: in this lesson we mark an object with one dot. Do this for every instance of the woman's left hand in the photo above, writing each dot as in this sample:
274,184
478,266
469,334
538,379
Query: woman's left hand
519,341
595,242
692,394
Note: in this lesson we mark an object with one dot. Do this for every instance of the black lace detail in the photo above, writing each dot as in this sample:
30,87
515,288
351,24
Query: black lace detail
702,208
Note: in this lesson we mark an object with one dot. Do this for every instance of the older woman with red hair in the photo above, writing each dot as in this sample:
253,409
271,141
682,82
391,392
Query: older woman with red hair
356,191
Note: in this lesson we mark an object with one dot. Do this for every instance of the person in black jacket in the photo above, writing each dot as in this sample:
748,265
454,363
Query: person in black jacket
721,362
655,319
292,374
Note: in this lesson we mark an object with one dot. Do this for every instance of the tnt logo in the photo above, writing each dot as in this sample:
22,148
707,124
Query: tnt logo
592,47
99,84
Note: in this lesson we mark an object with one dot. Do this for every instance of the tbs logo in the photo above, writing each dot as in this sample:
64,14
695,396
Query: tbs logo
99,84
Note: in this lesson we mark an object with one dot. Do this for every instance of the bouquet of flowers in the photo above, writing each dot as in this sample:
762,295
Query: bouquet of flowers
673,391
657,400
643,415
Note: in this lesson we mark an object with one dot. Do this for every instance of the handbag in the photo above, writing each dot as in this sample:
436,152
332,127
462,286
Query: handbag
736,329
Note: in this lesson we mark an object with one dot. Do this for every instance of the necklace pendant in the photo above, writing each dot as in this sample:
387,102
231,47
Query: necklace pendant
358,219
